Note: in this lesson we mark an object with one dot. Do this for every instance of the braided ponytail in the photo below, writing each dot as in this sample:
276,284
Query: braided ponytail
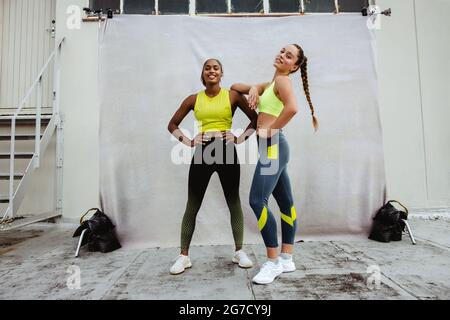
303,63
304,73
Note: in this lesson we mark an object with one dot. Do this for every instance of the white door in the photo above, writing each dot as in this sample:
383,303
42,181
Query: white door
25,45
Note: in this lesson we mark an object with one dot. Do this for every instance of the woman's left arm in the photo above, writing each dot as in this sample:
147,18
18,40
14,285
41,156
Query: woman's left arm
286,92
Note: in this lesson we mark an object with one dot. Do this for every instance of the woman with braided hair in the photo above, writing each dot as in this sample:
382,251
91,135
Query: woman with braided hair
277,106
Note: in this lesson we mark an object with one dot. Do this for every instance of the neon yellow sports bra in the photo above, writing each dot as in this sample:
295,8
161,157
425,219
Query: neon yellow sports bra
269,102
213,114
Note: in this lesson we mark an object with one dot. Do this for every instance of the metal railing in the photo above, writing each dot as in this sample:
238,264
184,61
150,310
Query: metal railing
16,196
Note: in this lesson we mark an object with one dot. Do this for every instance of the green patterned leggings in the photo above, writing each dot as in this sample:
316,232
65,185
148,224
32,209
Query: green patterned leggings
215,156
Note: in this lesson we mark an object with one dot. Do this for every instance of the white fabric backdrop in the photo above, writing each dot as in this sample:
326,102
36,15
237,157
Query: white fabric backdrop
149,64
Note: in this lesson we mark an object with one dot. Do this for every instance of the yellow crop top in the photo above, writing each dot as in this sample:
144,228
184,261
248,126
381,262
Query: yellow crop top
213,114
269,102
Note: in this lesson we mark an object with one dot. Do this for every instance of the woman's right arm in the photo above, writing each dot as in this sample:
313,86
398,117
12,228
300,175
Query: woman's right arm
253,92
245,88
180,114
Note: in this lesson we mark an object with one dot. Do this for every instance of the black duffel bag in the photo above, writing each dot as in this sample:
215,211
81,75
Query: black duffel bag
98,234
389,223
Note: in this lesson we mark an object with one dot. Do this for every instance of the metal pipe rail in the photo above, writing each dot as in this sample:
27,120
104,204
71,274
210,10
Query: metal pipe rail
37,84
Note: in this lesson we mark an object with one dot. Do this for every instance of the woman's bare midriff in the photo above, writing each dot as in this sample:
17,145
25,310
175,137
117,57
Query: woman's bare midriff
213,134
265,120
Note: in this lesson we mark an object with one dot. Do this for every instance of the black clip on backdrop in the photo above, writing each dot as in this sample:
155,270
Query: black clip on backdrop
369,11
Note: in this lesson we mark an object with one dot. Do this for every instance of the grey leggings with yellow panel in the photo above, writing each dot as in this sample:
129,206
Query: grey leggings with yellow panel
271,177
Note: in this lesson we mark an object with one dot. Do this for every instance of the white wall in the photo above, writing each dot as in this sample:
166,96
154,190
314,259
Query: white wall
414,100
433,34
400,107
80,112
416,138
414,81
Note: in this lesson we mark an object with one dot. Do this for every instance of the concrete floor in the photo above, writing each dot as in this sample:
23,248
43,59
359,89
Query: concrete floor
35,263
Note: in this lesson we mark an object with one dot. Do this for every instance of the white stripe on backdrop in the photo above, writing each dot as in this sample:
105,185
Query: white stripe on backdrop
149,64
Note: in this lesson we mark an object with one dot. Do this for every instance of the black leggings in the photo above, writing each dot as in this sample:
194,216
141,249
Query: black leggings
215,156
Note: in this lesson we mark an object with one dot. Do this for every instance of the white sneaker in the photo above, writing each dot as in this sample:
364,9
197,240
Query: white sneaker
182,263
288,264
269,271
241,258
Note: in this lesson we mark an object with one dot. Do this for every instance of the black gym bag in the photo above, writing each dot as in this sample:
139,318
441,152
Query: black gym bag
389,223
99,234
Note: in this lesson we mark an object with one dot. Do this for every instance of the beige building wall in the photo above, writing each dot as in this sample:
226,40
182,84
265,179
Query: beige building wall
25,45
414,79
80,111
